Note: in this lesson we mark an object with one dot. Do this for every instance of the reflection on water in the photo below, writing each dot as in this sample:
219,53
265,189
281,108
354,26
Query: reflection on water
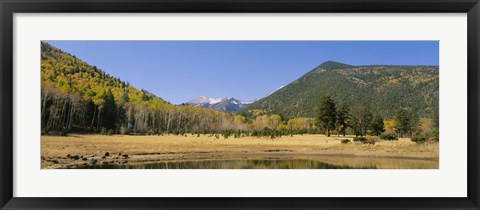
280,163
228,164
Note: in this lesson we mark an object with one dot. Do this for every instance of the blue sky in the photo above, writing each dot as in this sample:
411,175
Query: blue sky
179,71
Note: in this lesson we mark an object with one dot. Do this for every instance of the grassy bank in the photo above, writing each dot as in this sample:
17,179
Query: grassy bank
59,151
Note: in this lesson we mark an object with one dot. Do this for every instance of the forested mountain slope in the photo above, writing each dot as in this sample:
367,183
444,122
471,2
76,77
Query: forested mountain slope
70,74
384,88
77,96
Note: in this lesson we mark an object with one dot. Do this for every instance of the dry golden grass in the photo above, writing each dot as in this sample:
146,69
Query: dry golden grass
148,147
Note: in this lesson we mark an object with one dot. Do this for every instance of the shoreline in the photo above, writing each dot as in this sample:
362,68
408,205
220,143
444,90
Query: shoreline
214,156
78,150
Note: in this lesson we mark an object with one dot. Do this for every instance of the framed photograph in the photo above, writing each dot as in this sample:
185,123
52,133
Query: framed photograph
239,104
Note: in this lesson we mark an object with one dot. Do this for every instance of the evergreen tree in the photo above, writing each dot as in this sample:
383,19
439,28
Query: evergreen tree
109,112
125,97
361,119
89,114
327,115
378,127
343,118
436,116
414,124
436,123
403,122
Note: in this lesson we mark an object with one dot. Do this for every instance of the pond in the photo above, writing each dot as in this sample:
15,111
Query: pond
334,162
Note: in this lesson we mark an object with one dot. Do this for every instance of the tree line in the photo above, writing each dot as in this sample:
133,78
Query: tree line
362,121
63,112
78,97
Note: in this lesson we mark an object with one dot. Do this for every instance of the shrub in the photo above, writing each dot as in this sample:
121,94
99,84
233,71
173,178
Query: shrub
434,135
388,136
360,139
419,138
110,132
103,131
345,141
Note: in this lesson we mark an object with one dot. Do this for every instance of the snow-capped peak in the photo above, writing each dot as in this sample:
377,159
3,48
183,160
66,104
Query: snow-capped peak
205,100
222,104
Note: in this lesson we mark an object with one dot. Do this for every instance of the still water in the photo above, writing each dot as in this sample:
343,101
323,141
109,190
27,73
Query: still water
281,163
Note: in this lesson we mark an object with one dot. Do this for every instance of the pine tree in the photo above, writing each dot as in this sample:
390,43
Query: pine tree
378,127
109,111
361,119
403,122
343,118
414,124
436,116
327,115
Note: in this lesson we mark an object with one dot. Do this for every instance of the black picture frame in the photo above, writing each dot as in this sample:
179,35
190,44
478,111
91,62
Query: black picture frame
10,7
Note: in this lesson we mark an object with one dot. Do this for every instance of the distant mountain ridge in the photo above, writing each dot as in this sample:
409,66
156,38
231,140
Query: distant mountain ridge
385,88
333,65
220,104
226,104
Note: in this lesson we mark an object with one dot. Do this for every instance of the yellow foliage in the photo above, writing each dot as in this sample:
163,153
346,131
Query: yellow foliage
389,125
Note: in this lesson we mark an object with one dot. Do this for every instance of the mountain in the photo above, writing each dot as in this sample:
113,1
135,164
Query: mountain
219,104
333,65
72,75
385,88
79,97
